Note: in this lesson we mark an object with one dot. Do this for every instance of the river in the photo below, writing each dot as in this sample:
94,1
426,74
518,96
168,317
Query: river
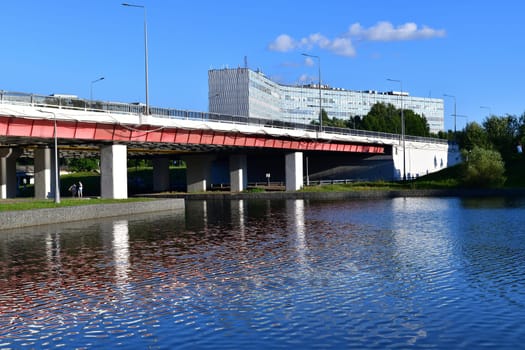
432,273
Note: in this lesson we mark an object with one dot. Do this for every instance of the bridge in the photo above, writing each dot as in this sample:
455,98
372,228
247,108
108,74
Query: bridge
225,146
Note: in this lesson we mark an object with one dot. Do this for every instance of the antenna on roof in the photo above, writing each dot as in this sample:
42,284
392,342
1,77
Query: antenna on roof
245,61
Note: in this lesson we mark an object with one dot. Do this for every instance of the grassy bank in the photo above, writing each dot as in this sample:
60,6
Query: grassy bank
445,179
449,178
30,203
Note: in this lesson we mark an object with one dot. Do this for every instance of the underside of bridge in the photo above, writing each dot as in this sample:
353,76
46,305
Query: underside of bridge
229,158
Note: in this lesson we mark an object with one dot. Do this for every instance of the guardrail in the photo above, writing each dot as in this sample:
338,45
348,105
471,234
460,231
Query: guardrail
74,103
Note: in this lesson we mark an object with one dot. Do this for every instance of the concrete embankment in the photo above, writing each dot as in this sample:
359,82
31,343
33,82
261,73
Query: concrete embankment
24,218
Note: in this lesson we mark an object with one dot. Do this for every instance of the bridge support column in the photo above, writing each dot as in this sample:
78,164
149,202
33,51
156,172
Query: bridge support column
4,154
44,173
161,174
294,171
113,172
198,172
238,173
12,180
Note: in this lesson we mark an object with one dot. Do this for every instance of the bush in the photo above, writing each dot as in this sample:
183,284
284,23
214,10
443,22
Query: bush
82,164
483,168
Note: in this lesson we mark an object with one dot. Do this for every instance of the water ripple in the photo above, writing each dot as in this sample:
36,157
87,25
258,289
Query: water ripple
418,273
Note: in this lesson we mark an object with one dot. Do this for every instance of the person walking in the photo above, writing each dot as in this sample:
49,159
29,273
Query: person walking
73,190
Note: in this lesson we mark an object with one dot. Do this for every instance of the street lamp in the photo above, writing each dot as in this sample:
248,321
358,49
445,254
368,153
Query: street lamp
91,87
463,116
487,107
57,189
454,97
145,51
320,103
402,126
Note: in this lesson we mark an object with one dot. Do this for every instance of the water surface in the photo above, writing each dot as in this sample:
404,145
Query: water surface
399,273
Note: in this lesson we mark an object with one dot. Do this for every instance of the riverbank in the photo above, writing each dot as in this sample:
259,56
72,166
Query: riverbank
34,217
175,201
341,195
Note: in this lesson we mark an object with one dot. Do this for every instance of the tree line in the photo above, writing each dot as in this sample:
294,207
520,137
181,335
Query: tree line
485,147
500,133
383,118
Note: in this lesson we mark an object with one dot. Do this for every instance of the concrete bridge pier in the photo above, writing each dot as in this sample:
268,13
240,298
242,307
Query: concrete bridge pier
114,171
12,180
4,154
294,171
238,172
161,174
198,172
8,181
44,173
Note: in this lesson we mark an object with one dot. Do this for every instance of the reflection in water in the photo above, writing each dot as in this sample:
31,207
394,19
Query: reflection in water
295,213
53,251
401,273
493,203
237,216
121,252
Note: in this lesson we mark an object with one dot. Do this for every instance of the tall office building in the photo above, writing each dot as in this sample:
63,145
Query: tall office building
244,92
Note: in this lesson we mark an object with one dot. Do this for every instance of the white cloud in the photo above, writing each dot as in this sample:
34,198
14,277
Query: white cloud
340,46
309,62
283,43
343,45
318,39
385,31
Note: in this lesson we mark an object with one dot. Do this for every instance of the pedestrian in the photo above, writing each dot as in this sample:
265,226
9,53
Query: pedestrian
73,190
79,189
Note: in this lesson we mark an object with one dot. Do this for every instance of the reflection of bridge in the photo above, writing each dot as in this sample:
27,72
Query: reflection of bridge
212,145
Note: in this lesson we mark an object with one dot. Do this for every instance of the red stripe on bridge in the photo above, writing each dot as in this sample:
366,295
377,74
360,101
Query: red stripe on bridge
74,130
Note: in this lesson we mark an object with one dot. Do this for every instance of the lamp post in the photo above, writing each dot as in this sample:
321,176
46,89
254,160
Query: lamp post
320,103
57,189
402,126
487,107
454,97
145,51
463,116
91,87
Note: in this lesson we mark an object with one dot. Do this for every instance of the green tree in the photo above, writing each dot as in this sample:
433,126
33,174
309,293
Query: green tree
444,135
521,128
335,122
382,117
415,124
82,164
474,135
502,133
483,168
355,122
387,118
326,120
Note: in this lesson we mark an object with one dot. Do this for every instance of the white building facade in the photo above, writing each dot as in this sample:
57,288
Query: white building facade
244,92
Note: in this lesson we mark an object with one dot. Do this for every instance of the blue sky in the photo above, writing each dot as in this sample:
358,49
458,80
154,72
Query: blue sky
470,49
